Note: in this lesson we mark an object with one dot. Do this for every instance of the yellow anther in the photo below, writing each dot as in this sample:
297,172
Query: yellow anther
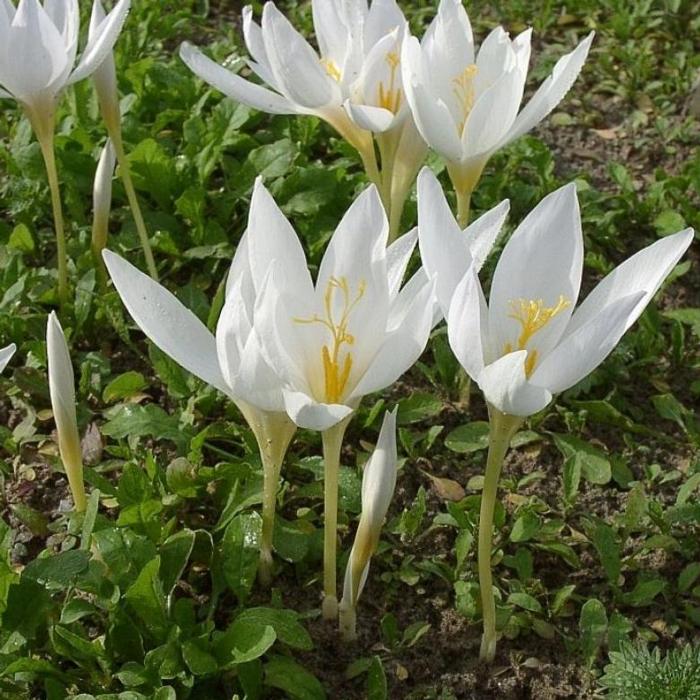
332,69
533,316
336,370
464,92
390,98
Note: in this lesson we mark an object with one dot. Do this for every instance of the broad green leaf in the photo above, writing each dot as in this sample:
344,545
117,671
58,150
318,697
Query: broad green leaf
240,553
286,675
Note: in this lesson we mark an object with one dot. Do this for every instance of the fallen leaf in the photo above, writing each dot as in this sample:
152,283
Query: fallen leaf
447,489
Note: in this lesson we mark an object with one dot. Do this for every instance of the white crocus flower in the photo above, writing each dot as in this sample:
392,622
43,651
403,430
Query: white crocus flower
102,201
529,342
38,48
230,360
105,81
378,484
6,355
62,391
354,83
353,332
466,104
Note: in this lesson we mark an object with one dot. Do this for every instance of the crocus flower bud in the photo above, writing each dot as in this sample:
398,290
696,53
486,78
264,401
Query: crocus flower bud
6,355
105,76
62,391
102,199
378,484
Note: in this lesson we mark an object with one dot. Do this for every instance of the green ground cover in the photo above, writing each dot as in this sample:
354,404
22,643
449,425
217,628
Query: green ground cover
152,594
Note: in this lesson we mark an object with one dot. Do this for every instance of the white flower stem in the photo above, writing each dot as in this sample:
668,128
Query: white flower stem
464,198
502,428
332,444
42,121
115,134
347,615
273,433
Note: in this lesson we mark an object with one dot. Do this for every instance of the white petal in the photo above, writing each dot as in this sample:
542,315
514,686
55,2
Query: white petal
270,236
506,387
379,476
496,57
62,387
257,382
466,324
233,85
232,331
105,76
65,15
444,248
643,272
99,47
448,48
34,55
483,233
167,322
552,91
542,260
384,16
295,64
370,118
252,35
521,47
401,348
398,255
308,413
580,352
357,253
6,355
493,113
434,120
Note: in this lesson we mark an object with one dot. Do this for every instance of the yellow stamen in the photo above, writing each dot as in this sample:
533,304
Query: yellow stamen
336,371
332,69
464,92
390,98
533,316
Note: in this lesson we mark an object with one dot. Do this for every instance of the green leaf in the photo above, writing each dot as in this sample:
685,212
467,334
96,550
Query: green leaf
174,555
124,386
525,601
286,675
417,407
595,466
377,688
60,570
668,222
21,239
688,576
287,627
525,527
147,599
151,420
198,657
251,642
470,437
593,624
644,592
606,543
240,553
273,160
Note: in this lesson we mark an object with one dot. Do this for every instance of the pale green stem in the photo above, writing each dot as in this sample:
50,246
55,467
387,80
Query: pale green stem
464,198
347,622
502,427
115,135
273,433
42,121
332,444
